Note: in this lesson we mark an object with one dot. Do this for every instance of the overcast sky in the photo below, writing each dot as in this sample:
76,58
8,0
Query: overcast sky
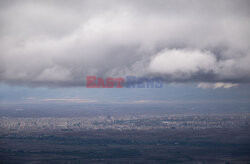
59,43
201,49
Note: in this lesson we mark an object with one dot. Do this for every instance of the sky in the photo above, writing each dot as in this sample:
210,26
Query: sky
200,49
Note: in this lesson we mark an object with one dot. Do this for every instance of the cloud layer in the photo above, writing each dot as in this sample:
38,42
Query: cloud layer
59,44
216,85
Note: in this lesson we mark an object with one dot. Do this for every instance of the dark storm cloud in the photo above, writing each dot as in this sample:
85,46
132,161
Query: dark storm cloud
59,43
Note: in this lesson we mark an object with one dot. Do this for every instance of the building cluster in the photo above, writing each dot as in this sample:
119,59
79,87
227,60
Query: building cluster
126,123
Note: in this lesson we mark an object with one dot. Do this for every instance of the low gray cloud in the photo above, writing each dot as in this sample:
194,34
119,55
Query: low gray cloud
60,43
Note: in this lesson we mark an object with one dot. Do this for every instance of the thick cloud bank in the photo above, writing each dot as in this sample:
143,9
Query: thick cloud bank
59,43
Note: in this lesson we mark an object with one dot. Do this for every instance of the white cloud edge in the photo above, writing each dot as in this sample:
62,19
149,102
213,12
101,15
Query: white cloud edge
206,85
